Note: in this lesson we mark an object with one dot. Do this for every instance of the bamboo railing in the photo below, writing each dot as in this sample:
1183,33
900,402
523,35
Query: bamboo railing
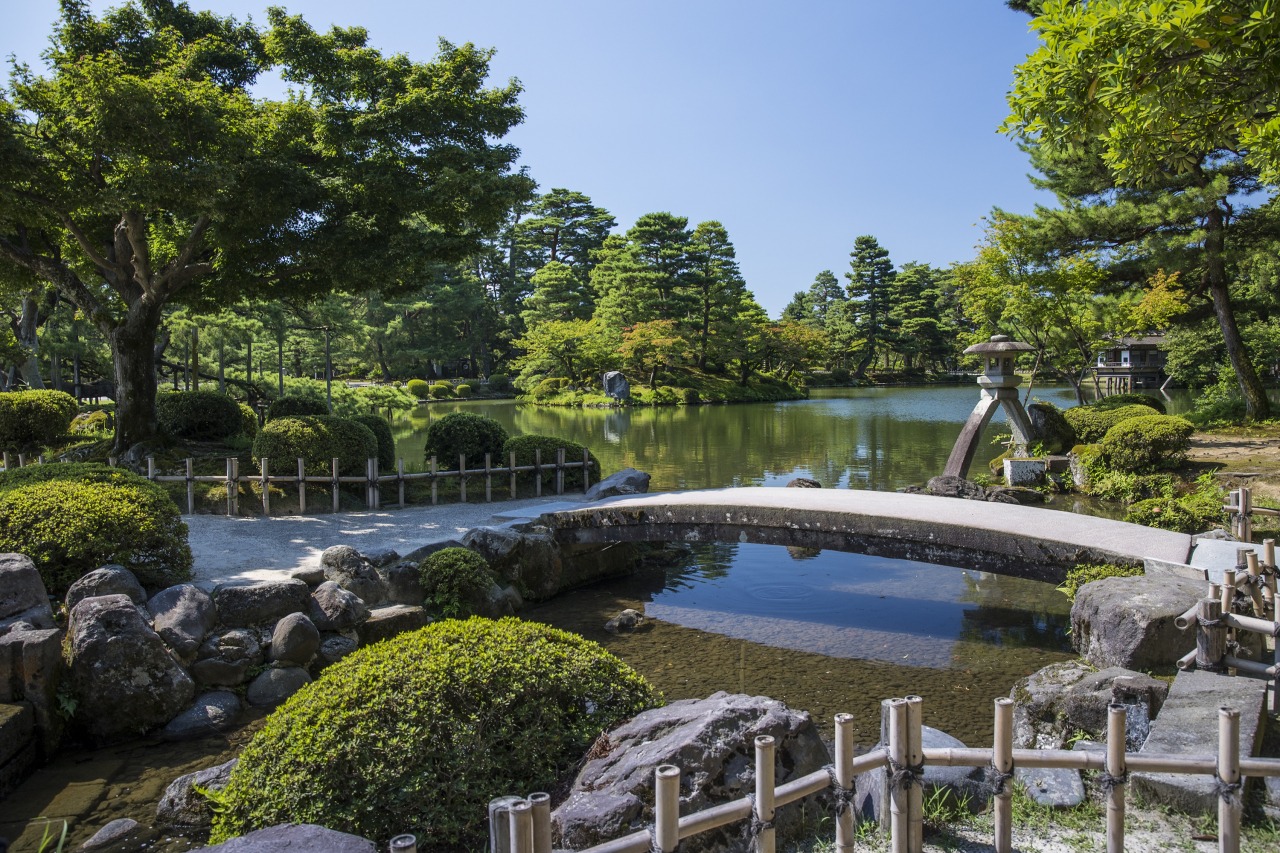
1240,508
373,479
524,825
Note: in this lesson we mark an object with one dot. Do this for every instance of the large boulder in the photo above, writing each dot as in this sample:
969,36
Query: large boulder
23,598
333,608
345,566
386,622
712,740
275,685
122,675
1128,621
960,787
1057,703
211,713
108,580
245,605
182,615
955,487
403,583
31,671
225,659
183,804
628,481
1050,429
294,641
291,838
617,386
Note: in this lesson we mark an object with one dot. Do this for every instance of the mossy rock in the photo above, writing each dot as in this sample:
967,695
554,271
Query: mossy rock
419,732
1049,428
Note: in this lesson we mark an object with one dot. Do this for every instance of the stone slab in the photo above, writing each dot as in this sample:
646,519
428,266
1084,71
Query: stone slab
1217,555
1163,568
1188,725
1055,787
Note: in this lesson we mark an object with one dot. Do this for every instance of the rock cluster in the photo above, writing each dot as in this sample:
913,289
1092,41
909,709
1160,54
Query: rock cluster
958,487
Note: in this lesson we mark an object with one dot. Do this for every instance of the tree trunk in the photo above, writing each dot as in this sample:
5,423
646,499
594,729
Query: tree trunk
27,326
133,351
1257,406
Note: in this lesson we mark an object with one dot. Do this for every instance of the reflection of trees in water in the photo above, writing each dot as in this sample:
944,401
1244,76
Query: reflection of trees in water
798,552
1014,612
707,561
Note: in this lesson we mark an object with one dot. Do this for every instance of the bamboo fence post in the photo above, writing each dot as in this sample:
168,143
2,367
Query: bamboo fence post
1269,575
915,758
766,840
537,472
1231,788
407,843
512,468
370,483
541,803
302,487
462,477
435,497
266,486
559,470
151,468
337,483
400,480
1211,638
845,829
520,816
488,479
22,460
1117,776
8,463
1255,584
230,487
586,470
899,808
1246,514
191,487
666,807
1233,509
1002,760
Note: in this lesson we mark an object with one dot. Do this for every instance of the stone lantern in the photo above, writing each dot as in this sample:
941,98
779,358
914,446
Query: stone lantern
999,386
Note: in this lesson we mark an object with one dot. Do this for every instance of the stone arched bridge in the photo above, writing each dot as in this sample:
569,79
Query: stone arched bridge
1028,542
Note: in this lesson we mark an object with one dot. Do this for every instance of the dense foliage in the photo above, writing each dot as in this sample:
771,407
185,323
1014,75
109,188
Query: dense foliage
1197,511
318,440
200,415
1090,572
1091,423
71,518
456,581
464,433
1115,401
418,733
296,405
1145,444
381,429
526,446
29,419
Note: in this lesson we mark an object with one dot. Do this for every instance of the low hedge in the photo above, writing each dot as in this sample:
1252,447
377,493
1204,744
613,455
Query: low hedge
1092,423
381,430
457,433
499,382
523,446
198,415
1145,444
73,517
456,580
30,419
296,405
317,439
419,732
463,390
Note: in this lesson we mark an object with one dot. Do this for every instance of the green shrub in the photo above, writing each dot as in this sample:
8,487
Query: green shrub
29,419
89,422
464,432
295,406
548,387
381,430
198,415
72,517
841,375
318,440
1196,512
1145,444
1115,401
419,388
499,382
688,396
523,446
1087,573
456,580
418,733
248,420
1091,423
441,390
463,390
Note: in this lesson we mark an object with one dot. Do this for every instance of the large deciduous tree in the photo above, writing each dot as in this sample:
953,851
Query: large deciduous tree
141,171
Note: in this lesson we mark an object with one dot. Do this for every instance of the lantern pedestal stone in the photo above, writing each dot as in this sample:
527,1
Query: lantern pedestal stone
999,385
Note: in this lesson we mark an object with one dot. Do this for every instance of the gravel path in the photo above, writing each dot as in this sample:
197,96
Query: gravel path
252,549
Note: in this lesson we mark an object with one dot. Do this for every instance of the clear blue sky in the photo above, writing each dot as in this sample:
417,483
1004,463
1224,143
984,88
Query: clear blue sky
799,125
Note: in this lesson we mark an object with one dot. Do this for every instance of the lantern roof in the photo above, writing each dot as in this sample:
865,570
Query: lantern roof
999,343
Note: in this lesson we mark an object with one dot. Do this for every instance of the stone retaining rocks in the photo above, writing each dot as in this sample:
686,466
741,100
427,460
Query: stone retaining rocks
214,712
182,615
182,805
346,567
294,640
386,622
1055,704
628,481
275,685
108,580
119,831
333,608
1128,622
291,838
244,605
24,602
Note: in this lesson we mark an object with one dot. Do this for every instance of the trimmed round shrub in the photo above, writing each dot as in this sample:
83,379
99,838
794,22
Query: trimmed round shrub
33,418
248,421
198,415
72,517
296,405
381,430
1091,423
419,388
464,432
463,390
317,439
499,382
441,390
523,446
1150,443
456,580
419,732
1115,401
688,396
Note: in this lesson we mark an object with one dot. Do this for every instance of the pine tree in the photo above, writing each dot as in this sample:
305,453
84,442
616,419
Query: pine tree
870,276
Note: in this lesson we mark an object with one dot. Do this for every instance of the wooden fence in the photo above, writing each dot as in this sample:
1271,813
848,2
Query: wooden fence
1240,509
373,480
527,827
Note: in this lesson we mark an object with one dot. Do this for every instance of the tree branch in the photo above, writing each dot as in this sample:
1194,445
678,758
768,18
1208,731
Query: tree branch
136,230
180,270
86,246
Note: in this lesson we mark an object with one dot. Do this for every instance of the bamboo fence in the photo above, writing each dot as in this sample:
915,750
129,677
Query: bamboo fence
373,479
1240,508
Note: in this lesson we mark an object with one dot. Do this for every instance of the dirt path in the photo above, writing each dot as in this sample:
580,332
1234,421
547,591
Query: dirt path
1246,456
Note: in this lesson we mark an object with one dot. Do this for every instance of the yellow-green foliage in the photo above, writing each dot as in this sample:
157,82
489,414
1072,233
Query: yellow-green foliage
419,388
1087,573
86,423
318,440
418,733
463,390
456,580
465,432
71,518
1196,512
248,421
523,446
296,405
198,415
1091,423
499,382
29,419
1115,401
1146,444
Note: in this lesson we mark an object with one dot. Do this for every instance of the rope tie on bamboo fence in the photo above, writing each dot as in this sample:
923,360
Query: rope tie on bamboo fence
905,775
756,825
1109,783
998,782
1228,792
843,796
